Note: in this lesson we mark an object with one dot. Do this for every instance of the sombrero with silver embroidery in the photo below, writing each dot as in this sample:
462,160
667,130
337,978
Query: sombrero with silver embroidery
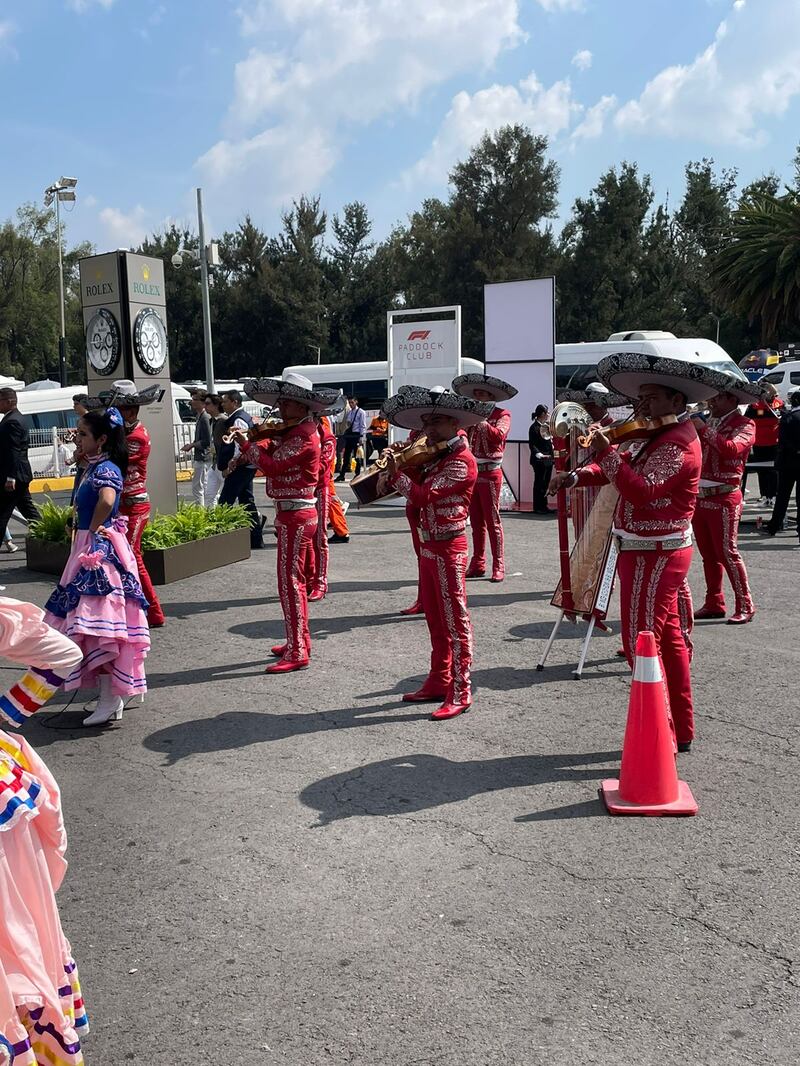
411,402
295,387
594,393
466,384
125,394
699,374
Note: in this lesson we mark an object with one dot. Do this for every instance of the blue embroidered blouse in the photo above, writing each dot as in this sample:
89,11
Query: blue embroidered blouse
102,474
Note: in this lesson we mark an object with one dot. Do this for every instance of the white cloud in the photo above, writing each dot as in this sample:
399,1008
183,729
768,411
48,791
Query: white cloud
594,121
8,30
124,230
582,59
82,6
562,5
295,110
749,72
548,111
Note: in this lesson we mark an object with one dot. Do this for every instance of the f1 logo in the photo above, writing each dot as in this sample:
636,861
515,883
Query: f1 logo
419,335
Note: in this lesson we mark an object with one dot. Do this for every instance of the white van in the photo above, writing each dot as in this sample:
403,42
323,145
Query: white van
48,409
576,364
784,377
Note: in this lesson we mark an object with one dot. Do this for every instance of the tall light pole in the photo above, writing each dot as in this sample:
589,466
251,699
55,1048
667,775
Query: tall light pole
208,257
63,189
716,319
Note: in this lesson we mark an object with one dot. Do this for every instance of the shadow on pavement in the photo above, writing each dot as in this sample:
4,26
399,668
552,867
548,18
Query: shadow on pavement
585,809
239,729
422,782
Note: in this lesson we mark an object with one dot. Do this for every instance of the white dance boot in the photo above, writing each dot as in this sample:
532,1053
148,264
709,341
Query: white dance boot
109,706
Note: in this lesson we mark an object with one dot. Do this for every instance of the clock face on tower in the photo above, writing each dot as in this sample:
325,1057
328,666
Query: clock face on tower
103,342
150,341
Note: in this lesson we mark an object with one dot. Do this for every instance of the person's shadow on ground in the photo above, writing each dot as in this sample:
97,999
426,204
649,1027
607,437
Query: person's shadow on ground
419,782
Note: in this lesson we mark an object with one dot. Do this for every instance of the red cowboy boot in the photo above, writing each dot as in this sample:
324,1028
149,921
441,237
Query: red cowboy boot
286,666
449,710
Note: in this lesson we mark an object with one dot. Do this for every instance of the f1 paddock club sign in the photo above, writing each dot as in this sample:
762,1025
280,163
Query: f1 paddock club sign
425,344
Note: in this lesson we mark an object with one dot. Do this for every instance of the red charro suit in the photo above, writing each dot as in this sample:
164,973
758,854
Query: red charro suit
318,557
487,442
291,466
658,490
442,498
726,443
135,505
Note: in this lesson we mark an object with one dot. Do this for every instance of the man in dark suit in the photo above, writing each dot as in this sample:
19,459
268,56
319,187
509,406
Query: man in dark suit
787,464
15,470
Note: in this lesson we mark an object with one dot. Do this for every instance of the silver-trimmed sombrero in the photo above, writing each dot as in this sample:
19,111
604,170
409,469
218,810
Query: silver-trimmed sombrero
411,402
124,393
465,385
293,387
626,372
594,393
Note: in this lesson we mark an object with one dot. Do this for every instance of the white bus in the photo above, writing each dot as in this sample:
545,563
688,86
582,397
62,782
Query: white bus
369,381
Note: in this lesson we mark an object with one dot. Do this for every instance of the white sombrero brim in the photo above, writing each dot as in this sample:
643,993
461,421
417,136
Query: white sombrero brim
626,372
499,390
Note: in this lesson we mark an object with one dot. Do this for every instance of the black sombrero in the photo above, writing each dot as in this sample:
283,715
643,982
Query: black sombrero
626,372
293,387
466,384
411,402
594,393
125,394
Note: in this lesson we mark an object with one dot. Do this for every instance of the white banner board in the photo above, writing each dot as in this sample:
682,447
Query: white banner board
520,343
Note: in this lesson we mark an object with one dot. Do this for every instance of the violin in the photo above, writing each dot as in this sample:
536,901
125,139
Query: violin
265,430
633,428
418,453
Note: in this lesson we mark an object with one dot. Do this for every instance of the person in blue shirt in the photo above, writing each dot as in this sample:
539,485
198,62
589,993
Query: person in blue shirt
354,434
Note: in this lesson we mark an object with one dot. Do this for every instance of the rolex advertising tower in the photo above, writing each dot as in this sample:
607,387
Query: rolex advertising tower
125,320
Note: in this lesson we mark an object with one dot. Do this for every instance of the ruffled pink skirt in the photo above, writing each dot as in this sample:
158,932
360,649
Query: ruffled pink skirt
99,604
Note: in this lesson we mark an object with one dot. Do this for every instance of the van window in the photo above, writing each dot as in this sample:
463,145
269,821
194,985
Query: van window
582,377
775,378
186,411
794,377
564,373
50,420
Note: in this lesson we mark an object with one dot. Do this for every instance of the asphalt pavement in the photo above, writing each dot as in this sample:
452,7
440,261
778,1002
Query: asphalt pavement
301,869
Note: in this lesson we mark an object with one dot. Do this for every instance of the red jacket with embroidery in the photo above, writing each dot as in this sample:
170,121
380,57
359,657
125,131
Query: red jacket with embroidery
657,482
443,492
487,440
726,443
135,483
327,460
290,463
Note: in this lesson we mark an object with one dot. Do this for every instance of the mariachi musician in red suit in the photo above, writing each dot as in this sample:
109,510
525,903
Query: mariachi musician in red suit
135,501
290,462
657,480
441,490
317,578
487,442
726,440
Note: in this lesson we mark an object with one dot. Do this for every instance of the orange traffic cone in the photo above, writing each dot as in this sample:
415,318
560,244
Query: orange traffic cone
648,779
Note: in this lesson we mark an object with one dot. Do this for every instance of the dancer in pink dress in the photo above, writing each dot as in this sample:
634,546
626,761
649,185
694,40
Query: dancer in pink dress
99,601
42,1017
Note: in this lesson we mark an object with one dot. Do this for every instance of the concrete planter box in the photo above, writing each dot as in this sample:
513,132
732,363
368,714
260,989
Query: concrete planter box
185,560
46,557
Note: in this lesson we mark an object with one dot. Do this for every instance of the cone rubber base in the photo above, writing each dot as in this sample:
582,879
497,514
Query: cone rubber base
685,804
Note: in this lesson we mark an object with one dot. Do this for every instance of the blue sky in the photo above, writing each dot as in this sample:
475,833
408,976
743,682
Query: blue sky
261,100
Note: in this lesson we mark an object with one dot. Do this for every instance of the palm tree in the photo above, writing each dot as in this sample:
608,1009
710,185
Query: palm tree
757,273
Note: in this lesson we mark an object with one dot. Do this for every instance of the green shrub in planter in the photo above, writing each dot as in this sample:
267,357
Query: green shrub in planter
193,522
51,526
